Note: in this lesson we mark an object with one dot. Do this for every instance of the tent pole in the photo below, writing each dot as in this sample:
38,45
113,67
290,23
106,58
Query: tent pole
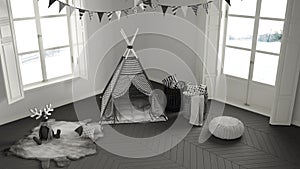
124,54
124,36
112,75
133,39
134,53
110,97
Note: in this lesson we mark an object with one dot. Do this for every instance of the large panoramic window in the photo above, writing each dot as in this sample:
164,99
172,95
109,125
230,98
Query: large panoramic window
43,40
253,39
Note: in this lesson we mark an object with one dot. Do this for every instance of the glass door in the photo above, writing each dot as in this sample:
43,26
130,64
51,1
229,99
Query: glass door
253,34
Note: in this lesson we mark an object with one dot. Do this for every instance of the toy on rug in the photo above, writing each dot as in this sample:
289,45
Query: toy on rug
68,148
92,131
45,132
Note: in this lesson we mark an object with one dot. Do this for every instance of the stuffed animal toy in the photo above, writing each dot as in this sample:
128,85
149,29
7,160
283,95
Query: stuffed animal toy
45,132
92,131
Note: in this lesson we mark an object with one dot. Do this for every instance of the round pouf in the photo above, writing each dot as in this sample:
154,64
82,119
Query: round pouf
225,127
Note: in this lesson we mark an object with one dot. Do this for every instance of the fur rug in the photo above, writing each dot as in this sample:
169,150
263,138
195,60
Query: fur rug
70,146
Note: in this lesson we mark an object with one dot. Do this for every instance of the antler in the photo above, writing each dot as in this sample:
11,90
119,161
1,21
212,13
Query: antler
36,113
39,113
48,109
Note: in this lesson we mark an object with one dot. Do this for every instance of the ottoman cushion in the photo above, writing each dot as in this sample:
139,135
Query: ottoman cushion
225,127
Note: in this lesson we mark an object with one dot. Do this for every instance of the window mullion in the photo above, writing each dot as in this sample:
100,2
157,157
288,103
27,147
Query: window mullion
40,40
253,49
225,15
70,37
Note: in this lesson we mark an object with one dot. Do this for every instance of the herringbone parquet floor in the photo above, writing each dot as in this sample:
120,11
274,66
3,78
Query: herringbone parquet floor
262,146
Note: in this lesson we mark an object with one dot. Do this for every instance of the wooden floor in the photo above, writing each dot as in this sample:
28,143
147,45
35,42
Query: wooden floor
261,147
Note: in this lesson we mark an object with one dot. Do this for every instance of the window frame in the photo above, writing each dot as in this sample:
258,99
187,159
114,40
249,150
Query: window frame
257,18
37,18
10,61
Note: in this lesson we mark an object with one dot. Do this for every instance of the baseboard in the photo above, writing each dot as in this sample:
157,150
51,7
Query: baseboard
296,123
243,107
19,116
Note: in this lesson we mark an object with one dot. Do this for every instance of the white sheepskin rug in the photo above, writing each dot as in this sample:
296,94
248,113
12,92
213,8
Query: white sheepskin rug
70,146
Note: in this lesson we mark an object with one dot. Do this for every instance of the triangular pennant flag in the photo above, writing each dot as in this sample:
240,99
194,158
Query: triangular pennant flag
154,4
100,14
195,9
136,2
164,9
147,2
81,13
174,9
118,13
51,2
135,10
91,14
126,12
71,10
228,1
109,15
61,6
142,6
206,6
184,10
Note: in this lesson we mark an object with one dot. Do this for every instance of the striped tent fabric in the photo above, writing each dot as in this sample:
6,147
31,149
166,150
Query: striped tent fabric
108,112
142,84
117,109
131,66
108,91
122,85
129,72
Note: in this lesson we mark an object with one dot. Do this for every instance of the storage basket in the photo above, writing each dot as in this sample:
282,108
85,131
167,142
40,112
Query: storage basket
173,99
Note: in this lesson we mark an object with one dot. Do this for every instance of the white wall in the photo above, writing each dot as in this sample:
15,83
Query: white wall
180,37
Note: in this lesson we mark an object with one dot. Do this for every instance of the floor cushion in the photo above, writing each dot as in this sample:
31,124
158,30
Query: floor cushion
225,127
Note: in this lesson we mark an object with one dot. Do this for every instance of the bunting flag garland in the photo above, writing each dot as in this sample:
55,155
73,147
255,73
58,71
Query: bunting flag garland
109,15
143,4
100,14
51,2
147,2
174,9
118,13
184,10
206,6
164,9
91,13
136,2
71,10
195,9
126,12
81,13
228,1
61,6
135,10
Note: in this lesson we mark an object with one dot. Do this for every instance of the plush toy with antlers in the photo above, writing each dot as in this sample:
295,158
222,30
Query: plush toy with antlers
45,132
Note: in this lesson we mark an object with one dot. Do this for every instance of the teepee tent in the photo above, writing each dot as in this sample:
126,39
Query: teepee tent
129,71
